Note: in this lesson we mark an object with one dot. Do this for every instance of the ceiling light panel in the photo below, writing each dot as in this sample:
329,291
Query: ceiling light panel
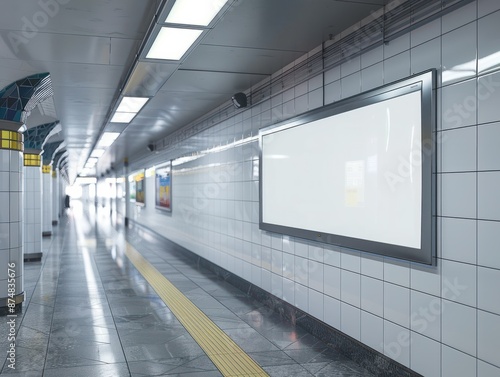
107,139
131,104
172,43
122,117
194,12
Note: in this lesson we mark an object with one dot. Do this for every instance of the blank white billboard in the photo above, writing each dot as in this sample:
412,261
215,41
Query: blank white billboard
354,175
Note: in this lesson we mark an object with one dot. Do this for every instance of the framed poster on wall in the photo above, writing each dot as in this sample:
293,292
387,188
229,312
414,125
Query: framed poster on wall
366,166
163,190
137,188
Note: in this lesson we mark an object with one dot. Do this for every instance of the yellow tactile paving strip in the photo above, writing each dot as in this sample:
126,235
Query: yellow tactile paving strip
227,356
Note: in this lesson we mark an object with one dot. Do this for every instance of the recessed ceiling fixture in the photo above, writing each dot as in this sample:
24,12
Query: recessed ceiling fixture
172,43
194,12
107,139
128,109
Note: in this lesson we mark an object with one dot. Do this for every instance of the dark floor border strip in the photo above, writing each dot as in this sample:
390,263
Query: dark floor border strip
370,359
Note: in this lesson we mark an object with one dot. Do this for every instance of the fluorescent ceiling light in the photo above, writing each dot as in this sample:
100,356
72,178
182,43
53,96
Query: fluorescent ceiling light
122,117
91,162
131,104
107,139
195,12
172,43
97,153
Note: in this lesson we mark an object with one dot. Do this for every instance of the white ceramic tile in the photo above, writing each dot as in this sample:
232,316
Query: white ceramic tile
302,248
488,151
459,282
277,241
15,207
4,160
458,195
371,57
487,370
426,32
372,76
301,104
266,258
301,270
277,286
488,294
488,98
397,46
397,304
426,315
315,251
488,199
397,67
351,85
315,99
350,260
332,256
315,83
459,54
332,311
463,15
333,92
301,297
332,281
425,355
350,288
488,337
426,279
458,150
316,275
459,105
256,274
456,363
288,290
458,237
350,320
276,262
372,295
457,316
397,343
288,265
350,66
488,239
426,56
372,265
316,307
332,75
372,331
397,272
16,161
288,245
4,181
4,237
488,49
485,7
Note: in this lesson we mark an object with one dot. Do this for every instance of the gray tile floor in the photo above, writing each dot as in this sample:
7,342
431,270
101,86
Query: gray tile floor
88,312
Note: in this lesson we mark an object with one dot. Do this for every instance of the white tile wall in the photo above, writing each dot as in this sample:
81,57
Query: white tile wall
11,234
32,218
46,203
449,312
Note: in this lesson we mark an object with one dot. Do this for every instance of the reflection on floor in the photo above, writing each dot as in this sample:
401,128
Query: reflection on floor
89,312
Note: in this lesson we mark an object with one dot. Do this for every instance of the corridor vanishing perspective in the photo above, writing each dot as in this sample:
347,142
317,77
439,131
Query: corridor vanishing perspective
90,312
